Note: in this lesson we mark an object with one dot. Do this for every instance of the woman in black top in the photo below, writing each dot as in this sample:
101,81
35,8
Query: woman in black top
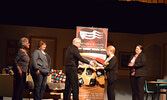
138,72
20,68
111,68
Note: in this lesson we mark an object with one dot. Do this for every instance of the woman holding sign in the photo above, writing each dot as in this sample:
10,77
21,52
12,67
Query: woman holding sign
111,69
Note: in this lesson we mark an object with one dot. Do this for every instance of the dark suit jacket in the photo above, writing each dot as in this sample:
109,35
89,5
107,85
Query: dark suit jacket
140,65
112,70
73,56
40,62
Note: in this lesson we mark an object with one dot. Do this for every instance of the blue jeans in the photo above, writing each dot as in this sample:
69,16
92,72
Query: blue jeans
39,85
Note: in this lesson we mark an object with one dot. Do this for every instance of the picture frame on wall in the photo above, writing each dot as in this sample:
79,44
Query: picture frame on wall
64,53
124,58
12,47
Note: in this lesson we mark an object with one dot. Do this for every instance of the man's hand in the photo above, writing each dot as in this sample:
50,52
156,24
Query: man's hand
91,63
95,62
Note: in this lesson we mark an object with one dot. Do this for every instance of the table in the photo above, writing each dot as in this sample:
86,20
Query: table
158,89
6,85
57,93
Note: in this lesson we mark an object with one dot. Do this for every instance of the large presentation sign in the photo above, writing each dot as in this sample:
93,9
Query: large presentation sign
93,47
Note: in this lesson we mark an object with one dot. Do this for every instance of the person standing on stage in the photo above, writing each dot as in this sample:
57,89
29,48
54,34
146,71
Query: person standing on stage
21,63
138,72
72,58
111,69
40,69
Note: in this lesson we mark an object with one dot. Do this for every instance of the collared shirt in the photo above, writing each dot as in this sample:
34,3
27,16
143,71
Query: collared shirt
133,62
108,59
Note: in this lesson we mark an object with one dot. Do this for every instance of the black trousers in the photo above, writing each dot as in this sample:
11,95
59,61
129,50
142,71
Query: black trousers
19,84
39,85
71,84
111,91
137,85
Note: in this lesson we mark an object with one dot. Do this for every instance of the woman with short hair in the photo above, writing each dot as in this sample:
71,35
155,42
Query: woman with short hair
138,72
20,68
40,69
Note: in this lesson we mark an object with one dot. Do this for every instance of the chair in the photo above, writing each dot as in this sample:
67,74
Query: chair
162,86
148,91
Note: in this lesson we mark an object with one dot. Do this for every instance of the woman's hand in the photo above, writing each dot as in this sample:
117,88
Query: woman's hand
130,64
49,74
37,72
19,71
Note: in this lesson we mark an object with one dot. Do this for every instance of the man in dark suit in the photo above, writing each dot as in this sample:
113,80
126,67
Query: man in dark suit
138,72
111,68
72,58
